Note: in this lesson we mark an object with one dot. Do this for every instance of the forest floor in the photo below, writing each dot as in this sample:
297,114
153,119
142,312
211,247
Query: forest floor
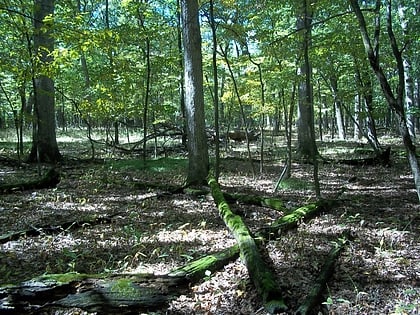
154,232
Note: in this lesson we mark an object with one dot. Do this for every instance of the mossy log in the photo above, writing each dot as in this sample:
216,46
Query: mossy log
292,219
314,297
197,269
49,180
108,293
261,276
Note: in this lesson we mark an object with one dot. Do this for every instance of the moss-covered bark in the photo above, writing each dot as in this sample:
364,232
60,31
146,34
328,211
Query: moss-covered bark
108,293
261,276
292,219
197,269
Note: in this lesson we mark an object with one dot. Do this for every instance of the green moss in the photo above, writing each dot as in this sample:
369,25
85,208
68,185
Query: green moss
125,288
69,277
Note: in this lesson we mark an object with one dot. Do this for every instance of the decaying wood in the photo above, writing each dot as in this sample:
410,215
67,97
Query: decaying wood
197,269
109,293
49,180
314,297
292,219
261,276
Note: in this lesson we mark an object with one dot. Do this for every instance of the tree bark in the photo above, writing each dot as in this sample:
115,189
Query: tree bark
261,276
44,145
395,100
198,158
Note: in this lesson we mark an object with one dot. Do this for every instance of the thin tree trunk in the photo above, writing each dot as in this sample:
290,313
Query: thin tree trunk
241,107
215,93
148,79
395,101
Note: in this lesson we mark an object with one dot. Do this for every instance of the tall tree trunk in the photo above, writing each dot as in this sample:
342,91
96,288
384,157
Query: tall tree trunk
181,81
357,129
395,100
44,145
198,159
215,93
306,129
409,88
241,107
305,123
141,21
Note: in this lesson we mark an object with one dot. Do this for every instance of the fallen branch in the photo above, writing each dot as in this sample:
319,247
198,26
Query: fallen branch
292,219
260,274
320,284
49,180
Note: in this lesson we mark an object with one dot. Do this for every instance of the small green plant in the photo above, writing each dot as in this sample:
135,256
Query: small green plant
72,256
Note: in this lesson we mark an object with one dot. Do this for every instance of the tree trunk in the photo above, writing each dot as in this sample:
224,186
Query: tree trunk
338,109
409,86
215,92
198,159
44,145
241,107
305,124
395,101
261,276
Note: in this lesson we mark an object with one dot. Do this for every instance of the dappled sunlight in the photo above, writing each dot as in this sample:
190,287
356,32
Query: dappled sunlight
131,230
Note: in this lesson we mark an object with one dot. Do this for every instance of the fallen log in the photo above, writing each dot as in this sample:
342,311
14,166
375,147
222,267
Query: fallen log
49,180
109,293
261,276
314,297
292,219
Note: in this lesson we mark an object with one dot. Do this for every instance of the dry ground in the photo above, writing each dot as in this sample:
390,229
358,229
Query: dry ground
378,273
